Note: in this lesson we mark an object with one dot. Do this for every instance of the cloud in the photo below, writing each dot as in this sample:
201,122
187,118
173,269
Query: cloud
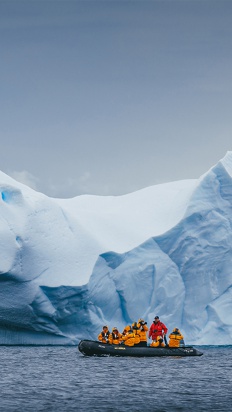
60,187
26,178
69,187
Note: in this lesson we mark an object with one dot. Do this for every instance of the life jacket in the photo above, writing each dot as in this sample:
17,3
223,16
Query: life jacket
105,334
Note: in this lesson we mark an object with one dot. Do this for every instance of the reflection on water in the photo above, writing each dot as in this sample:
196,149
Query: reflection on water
62,379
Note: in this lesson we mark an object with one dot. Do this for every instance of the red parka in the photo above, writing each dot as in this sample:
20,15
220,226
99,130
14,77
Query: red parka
157,329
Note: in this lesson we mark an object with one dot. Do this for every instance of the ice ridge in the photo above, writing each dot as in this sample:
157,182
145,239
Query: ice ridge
180,270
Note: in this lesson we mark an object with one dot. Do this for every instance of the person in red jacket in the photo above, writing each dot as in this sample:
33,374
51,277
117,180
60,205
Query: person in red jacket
157,328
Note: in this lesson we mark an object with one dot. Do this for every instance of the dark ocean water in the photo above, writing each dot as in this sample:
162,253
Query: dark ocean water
62,379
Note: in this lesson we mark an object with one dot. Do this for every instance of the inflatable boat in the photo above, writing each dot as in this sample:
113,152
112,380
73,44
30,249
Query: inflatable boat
95,348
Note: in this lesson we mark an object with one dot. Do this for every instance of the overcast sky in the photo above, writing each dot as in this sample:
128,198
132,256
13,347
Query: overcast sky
107,97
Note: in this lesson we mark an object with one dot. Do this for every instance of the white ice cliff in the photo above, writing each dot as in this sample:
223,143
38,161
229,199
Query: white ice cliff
69,266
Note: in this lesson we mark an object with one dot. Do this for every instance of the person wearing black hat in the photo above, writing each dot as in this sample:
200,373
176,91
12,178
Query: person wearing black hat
157,328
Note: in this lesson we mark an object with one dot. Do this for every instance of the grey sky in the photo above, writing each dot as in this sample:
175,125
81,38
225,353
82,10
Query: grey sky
107,97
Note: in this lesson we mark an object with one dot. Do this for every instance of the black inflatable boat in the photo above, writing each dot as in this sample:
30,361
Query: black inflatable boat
95,348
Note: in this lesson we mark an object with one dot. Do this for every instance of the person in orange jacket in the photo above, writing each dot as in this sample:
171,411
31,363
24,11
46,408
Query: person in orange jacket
143,332
158,343
128,336
136,331
115,337
104,335
176,338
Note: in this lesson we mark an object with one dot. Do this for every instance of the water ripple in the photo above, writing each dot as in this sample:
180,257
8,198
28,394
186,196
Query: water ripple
61,379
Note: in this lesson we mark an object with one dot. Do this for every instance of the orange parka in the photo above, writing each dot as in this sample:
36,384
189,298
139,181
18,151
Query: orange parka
136,332
128,336
175,338
143,330
115,337
158,342
104,335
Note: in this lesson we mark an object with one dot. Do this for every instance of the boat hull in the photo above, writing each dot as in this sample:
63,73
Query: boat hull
94,348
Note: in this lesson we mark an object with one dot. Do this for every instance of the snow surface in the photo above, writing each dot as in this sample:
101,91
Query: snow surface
68,266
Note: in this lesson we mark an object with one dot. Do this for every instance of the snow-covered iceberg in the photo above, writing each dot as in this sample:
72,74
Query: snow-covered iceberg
70,265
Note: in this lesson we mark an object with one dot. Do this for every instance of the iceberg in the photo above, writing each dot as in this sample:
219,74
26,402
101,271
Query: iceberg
68,266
